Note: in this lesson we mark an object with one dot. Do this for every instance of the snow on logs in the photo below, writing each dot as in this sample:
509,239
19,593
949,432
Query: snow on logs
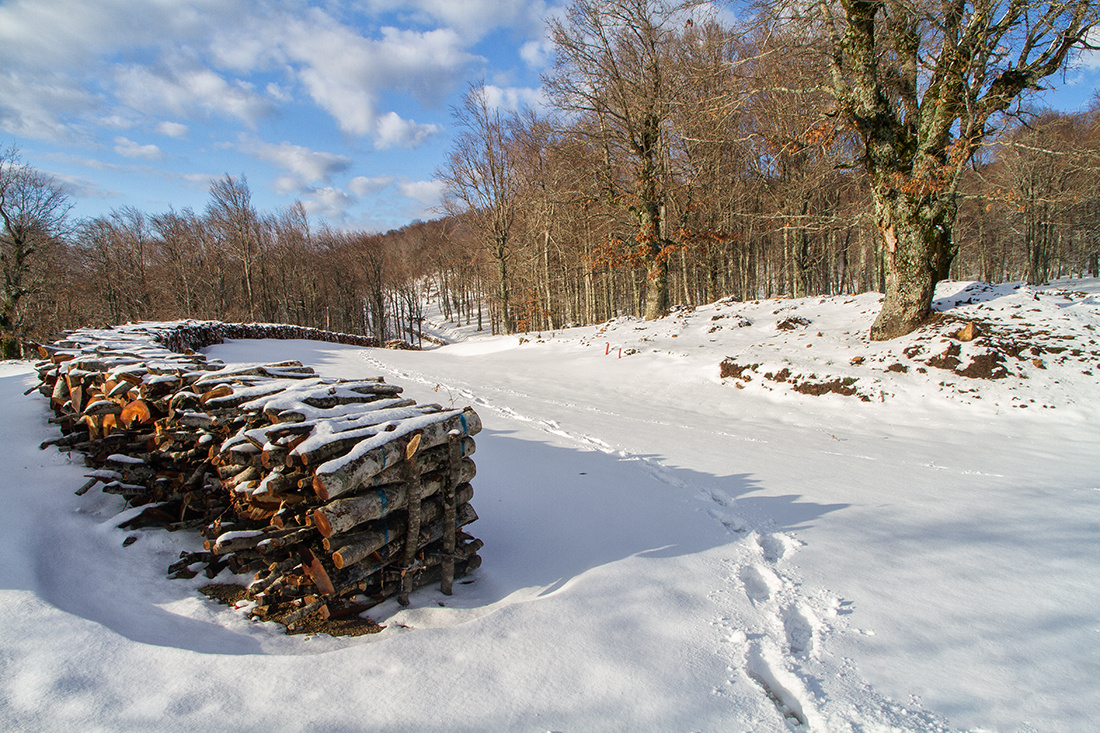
333,494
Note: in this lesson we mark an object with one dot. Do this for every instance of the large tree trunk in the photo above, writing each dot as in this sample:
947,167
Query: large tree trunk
9,337
918,253
504,290
656,290
650,215
9,347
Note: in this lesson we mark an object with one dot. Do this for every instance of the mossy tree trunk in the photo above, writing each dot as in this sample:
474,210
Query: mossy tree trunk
920,85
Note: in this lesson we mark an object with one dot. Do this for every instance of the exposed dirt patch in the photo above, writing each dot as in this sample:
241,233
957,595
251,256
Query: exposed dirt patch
948,360
730,368
790,324
732,321
352,625
226,593
913,351
839,386
898,367
781,376
989,365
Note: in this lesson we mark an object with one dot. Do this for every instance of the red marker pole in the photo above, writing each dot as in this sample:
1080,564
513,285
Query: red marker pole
608,349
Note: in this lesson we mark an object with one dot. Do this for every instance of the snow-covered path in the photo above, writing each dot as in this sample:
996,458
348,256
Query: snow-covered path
665,549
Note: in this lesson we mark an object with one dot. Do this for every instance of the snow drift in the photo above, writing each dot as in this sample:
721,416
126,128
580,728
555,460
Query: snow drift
911,546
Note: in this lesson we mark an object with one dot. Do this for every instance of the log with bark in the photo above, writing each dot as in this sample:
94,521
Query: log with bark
331,494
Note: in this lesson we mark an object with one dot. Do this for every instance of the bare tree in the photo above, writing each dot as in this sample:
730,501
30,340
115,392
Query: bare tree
33,209
612,59
482,183
182,258
1042,172
922,82
232,217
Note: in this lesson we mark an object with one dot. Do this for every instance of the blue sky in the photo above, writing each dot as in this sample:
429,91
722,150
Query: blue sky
342,104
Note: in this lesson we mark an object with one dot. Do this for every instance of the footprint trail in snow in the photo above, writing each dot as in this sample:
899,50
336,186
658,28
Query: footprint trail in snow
777,648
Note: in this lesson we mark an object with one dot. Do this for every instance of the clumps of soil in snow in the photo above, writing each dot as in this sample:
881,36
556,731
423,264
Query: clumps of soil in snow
992,349
781,376
729,368
791,323
842,386
804,385
948,360
1026,339
731,320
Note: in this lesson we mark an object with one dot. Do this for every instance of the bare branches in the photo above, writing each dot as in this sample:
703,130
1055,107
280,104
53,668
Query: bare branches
483,183
33,209
922,81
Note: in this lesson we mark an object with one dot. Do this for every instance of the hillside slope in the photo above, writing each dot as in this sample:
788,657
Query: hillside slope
836,535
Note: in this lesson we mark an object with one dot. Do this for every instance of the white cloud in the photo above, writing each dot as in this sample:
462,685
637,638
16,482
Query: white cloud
423,63
537,54
248,46
328,203
117,121
83,188
394,132
513,99
92,163
723,13
286,184
90,73
428,193
129,149
187,58
172,129
50,34
305,165
346,73
42,107
180,91
279,93
1090,58
471,18
362,186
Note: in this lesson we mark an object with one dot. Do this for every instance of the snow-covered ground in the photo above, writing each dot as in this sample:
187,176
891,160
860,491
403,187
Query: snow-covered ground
665,549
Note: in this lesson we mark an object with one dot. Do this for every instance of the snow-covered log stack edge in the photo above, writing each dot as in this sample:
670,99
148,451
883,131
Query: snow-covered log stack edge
316,487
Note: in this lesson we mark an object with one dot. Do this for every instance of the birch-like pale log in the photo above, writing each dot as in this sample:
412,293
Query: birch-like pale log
341,515
348,473
364,569
362,544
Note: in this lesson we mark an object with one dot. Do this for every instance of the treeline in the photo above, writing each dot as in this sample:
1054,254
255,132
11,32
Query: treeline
780,219
678,161
681,161
233,263
229,262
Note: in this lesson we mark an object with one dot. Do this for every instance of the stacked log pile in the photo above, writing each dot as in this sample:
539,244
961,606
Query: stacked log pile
331,494
185,336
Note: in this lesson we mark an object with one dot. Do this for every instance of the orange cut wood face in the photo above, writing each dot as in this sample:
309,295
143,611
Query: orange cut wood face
317,573
412,447
222,390
136,411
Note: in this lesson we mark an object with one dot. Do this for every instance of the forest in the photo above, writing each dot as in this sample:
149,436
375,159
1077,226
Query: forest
677,161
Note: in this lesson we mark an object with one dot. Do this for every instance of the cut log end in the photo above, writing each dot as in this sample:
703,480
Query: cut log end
321,522
320,489
136,412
